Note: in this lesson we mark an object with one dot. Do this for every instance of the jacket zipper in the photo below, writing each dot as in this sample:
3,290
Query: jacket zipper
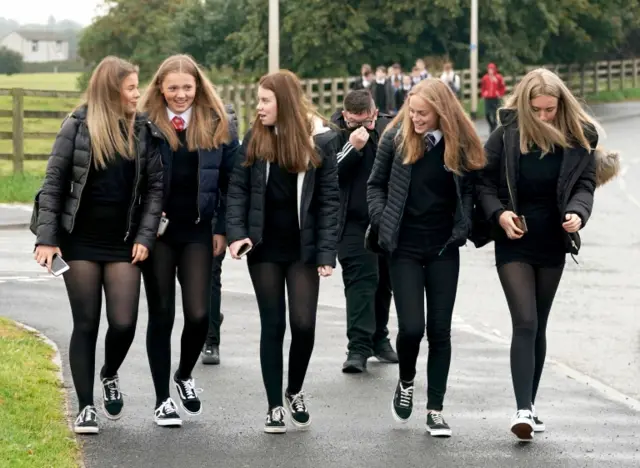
198,196
73,222
459,196
506,174
135,191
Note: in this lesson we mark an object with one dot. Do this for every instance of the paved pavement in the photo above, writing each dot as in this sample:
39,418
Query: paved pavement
589,398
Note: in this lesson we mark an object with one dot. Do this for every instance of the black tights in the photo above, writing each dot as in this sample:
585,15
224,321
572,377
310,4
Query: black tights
85,281
302,289
530,291
193,264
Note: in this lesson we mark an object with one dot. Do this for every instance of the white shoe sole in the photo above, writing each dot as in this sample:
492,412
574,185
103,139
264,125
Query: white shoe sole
275,430
110,416
293,421
169,422
439,432
86,430
190,413
539,427
398,418
523,430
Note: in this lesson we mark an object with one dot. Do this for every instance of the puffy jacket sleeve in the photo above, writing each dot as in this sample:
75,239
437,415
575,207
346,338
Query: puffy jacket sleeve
328,199
379,177
581,199
56,184
238,197
152,197
488,179
229,155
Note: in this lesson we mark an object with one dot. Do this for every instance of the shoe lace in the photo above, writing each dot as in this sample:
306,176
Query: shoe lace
406,395
190,390
167,407
524,414
87,414
277,414
297,402
437,418
112,387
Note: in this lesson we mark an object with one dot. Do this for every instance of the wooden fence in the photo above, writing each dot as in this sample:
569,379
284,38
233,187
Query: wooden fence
326,93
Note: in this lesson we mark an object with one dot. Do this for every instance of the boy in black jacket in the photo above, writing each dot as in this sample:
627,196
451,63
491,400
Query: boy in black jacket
365,274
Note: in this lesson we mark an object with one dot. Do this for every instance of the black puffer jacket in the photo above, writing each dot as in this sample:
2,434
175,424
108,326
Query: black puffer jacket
387,193
66,176
576,183
318,205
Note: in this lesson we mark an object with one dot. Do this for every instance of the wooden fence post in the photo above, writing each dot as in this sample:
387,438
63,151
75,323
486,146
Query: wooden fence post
18,129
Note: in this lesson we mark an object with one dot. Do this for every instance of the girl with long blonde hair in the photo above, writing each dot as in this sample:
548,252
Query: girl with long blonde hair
283,212
420,199
537,189
198,145
99,208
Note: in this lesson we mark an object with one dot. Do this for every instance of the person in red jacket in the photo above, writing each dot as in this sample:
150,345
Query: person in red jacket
492,89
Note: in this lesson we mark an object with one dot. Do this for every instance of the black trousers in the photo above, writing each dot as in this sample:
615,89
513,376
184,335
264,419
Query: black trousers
411,278
491,106
367,289
213,336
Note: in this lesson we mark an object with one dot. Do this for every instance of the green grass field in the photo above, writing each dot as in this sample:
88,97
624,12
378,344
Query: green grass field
48,81
33,428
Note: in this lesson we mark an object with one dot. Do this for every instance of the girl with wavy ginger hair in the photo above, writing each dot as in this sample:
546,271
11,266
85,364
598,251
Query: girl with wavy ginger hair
99,208
198,145
420,198
537,190
283,212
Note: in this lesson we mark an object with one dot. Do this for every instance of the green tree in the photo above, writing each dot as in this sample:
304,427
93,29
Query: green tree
10,61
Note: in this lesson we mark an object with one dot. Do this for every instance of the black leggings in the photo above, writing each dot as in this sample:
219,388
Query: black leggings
303,285
410,278
85,281
530,291
193,265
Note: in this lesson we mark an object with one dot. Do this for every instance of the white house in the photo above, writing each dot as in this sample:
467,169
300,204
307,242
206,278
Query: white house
37,46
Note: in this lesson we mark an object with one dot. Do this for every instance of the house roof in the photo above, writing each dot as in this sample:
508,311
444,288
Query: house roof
35,35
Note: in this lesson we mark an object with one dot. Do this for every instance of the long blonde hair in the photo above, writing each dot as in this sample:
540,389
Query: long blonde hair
569,124
209,125
292,148
106,114
463,148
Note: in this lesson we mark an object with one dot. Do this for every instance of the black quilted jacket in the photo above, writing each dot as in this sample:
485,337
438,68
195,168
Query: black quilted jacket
66,176
387,192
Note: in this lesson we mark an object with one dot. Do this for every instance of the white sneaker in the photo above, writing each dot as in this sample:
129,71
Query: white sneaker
522,425
538,425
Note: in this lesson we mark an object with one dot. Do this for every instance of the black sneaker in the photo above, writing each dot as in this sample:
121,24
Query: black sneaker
275,421
166,415
112,401
402,403
522,425
385,353
355,364
87,421
538,425
211,355
188,395
436,425
299,413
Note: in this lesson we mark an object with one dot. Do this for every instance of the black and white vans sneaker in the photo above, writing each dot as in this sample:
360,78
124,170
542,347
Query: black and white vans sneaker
436,425
112,402
402,403
522,425
275,421
87,421
188,395
538,425
166,415
298,409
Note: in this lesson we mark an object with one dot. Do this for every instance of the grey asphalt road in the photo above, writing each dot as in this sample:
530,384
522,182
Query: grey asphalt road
589,396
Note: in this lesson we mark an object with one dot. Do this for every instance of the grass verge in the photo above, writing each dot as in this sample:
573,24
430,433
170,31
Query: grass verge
19,188
33,428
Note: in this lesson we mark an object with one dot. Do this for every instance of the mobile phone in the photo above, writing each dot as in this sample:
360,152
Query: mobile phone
521,223
162,228
244,250
58,266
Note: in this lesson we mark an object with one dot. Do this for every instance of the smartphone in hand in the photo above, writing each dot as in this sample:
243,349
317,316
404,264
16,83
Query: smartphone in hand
58,266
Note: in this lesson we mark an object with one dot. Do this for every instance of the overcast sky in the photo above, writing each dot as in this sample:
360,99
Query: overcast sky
38,11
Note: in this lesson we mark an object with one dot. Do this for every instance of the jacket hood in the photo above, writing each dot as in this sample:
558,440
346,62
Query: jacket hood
318,126
607,165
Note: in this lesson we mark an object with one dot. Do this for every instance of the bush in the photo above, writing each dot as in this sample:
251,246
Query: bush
10,62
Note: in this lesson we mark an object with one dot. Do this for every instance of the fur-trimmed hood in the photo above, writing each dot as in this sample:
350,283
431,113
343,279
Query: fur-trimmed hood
607,165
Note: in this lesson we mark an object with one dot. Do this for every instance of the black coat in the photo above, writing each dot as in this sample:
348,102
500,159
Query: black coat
387,193
576,182
66,177
318,204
